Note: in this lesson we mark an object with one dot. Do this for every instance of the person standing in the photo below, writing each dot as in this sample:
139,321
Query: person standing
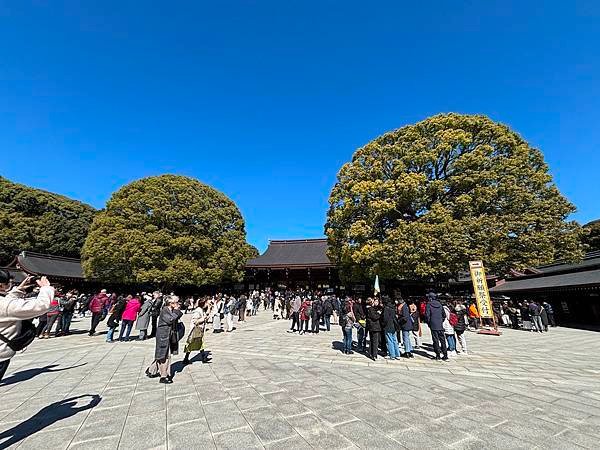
15,308
242,303
359,310
461,326
229,312
448,324
550,313
305,313
68,311
317,313
132,307
53,315
389,325
114,318
327,312
535,312
473,316
406,324
544,317
96,307
416,329
195,340
374,327
143,320
295,305
157,304
217,310
434,316
167,341
347,320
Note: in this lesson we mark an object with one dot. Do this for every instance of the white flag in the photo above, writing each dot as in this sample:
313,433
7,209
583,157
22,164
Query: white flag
377,290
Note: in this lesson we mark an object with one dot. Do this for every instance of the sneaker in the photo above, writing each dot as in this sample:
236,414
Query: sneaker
453,353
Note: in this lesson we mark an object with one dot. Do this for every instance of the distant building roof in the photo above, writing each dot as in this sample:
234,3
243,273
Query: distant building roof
294,254
48,265
559,275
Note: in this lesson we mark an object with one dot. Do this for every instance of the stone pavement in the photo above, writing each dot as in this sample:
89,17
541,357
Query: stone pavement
266,388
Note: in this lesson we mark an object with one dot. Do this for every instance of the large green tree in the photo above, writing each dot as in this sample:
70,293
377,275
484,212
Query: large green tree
167,230
425,199
591,237
39,221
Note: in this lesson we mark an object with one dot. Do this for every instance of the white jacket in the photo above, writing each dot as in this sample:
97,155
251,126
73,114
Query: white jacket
448,329
14,308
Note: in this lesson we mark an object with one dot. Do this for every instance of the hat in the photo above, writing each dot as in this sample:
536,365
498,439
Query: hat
103,291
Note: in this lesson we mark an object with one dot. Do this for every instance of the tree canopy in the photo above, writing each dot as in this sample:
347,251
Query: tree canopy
425,199
168,230
39,221
591,237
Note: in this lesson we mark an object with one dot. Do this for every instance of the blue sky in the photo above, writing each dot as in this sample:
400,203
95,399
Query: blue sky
266,100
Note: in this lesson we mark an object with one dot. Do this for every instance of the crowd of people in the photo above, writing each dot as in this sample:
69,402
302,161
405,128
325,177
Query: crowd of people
374,326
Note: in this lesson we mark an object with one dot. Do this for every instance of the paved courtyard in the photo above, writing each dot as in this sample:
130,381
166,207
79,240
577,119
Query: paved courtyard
265,388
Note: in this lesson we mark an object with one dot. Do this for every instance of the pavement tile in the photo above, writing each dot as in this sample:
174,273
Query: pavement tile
184,409
145,431
315,430
365,436
223,416
268,425
241,438
193,434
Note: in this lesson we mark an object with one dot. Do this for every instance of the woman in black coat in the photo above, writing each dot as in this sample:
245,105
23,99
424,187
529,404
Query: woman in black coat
374,327
167,341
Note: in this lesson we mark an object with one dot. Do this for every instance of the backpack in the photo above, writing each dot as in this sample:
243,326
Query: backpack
308,311
26,337
453,319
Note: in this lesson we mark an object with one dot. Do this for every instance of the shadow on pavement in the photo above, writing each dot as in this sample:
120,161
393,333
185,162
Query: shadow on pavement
179,366
30,373
46,416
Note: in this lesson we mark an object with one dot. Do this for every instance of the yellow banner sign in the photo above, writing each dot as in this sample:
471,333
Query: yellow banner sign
484,303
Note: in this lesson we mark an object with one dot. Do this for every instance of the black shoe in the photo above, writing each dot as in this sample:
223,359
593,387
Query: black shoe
165,381
350,352
437,358
445,358
149,375
410,355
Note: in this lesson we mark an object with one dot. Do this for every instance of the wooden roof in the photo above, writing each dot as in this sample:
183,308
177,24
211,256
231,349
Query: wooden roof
293,254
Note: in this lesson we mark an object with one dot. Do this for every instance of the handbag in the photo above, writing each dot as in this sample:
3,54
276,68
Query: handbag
26,337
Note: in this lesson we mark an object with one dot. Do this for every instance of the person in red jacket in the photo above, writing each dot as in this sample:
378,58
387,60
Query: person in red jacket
132,308
96,307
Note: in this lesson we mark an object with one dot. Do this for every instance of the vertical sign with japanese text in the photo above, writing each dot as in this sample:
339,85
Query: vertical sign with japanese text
484,304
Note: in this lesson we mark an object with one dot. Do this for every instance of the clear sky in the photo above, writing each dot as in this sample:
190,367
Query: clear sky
265,100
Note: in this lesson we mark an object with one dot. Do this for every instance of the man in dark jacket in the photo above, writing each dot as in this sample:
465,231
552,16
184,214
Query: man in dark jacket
373,314
327,312
406,325
316,314
535,312
550,313
389,325
157,303
434,316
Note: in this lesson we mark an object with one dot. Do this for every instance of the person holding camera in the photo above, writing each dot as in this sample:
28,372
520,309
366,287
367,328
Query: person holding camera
14,309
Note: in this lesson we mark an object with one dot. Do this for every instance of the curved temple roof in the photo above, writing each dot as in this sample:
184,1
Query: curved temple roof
49,265
295,254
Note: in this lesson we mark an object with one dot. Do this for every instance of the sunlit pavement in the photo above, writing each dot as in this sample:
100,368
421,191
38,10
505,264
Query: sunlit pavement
266,388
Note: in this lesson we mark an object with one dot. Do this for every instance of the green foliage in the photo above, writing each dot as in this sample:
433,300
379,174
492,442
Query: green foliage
36,220
168,230
423,200
591,236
